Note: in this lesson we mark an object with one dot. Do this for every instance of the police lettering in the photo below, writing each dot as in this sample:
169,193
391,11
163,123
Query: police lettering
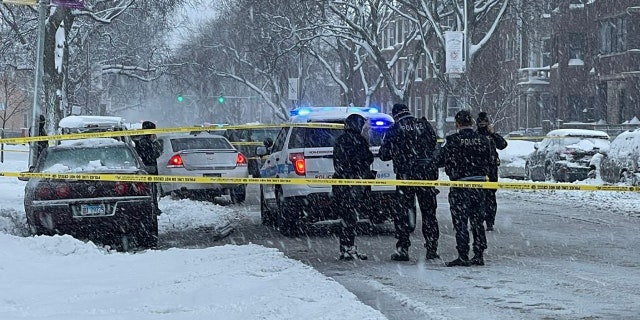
412,126
471,142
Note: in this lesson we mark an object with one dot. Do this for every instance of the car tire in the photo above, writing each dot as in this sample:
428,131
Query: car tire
266,216
286,220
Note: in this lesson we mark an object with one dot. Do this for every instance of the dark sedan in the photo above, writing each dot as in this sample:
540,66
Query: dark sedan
116,213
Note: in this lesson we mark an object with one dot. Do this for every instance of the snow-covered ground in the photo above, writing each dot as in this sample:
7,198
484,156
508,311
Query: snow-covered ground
63,278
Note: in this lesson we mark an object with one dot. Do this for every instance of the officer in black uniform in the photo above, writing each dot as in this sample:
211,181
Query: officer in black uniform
497,142
466,157
149,149
352,159
410,143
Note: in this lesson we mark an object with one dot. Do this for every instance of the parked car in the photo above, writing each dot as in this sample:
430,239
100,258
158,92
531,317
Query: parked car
564,155
118,213
246,141
91,124
513,159
202,154
307,152
621,163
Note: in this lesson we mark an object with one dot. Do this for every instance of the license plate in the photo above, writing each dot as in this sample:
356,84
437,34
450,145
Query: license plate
92,210
212,175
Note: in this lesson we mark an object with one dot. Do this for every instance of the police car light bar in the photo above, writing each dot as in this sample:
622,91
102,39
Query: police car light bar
303,111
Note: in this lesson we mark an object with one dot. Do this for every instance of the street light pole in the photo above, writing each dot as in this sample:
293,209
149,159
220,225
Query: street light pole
37,86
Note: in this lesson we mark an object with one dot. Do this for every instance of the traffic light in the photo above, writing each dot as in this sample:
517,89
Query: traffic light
180,98
221,99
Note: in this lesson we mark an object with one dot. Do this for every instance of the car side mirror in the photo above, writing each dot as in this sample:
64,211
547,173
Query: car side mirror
536,146
261,151
268,143
31,169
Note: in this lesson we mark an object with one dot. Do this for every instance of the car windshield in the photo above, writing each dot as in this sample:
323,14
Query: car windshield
89,159
262,134
178,144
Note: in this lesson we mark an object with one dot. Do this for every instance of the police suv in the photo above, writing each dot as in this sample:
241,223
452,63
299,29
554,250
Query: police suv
307,152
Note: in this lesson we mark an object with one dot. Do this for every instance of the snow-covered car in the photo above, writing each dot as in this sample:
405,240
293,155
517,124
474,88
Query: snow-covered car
564,155
621,163
90,124
119,213
307,152
202,154
513,159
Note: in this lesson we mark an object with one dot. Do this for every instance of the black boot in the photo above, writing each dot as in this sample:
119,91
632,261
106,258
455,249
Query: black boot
477,259
462,261
351,253
432,255
401,254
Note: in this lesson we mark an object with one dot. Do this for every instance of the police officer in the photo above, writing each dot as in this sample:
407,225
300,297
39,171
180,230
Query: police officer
352,159
497,142
466,157
149,149
410,143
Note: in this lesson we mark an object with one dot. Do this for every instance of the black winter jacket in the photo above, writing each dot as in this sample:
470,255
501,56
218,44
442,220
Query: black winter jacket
352,158
497,143
148,149
466,154
410,144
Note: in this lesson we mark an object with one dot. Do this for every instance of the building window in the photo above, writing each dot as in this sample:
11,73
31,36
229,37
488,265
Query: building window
431,110
452,108
420,68
391,34
508,48
576,46
613,35
418,105
546,52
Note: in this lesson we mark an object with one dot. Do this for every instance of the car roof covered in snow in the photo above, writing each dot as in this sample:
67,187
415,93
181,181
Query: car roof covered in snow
578,133
89,121
89,143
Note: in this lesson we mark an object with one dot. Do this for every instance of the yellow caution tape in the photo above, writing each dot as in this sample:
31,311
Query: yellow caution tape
111,134
291,181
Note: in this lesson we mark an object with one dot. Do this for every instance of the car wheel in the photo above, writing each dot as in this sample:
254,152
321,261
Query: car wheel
265,214
286,219
527,172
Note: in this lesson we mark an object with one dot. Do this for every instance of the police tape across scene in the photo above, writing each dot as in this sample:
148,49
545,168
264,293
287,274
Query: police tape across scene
112,134
322,181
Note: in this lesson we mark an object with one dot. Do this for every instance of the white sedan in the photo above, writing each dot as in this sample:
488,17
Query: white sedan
202,154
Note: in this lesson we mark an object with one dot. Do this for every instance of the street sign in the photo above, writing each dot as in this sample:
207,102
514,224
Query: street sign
293,88
454,46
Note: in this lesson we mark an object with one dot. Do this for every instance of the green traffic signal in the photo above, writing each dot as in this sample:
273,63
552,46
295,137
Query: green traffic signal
180,98
221,99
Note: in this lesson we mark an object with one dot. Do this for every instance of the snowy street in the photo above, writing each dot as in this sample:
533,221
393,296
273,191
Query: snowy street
553,255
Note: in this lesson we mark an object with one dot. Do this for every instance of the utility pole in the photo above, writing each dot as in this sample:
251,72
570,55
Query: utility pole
37,86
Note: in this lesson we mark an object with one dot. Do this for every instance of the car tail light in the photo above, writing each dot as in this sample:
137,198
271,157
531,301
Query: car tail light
175,161
241,160
44,193
298,163
63,190
121,188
